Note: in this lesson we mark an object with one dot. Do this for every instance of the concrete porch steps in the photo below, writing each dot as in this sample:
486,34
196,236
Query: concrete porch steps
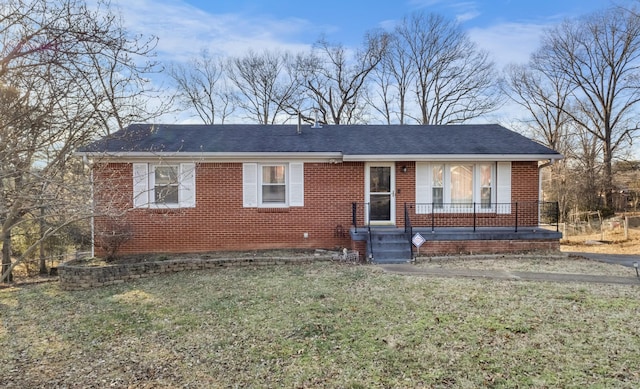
389,246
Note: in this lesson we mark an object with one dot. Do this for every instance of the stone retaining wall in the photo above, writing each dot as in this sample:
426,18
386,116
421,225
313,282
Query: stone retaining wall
75,276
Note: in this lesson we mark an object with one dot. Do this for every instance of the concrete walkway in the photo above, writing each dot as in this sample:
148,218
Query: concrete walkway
409,269
618,259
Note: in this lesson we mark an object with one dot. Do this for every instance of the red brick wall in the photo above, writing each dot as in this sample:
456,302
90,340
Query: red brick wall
487,246
405,188
219,221
524,191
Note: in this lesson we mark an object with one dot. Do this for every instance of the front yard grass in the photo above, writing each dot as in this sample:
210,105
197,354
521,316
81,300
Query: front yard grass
320,325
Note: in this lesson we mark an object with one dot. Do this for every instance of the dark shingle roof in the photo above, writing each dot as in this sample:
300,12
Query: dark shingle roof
350,140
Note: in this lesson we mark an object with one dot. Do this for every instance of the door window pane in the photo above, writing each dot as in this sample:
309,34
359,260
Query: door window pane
380,207
380,179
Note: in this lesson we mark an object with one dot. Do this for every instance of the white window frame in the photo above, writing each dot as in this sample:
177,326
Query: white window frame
152,185
252,185
424,188
144,186
261,184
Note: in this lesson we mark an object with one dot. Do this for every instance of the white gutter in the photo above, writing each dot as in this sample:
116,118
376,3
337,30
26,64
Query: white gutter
332,157
451,157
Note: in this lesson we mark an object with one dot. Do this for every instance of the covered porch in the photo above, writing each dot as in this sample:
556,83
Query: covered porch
454,228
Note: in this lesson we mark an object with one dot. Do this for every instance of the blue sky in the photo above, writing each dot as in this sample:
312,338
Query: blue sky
347,20
509,29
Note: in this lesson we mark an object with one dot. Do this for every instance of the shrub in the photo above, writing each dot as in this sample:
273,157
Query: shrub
114,234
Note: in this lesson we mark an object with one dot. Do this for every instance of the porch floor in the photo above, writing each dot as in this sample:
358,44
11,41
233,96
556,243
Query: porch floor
487,233
468,233
393,245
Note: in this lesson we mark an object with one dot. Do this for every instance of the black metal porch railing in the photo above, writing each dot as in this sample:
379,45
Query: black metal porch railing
408,229
516,215
358,210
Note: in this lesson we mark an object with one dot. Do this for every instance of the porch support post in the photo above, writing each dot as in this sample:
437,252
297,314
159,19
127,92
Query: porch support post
354,220
433,221
474,217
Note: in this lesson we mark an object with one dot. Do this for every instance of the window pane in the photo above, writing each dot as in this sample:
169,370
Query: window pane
273,174
380,179
273,194
485,176
166,184
166,175
166,194
485,200
438,198
462,184
485,185
274,184
437,176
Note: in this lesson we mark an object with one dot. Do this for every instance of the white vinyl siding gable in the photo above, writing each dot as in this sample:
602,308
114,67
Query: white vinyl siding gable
143,186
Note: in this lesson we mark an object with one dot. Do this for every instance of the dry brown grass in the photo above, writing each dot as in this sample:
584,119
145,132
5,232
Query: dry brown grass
531,263
609,241
320,325
331,325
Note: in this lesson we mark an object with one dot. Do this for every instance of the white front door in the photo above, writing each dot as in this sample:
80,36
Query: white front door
381,193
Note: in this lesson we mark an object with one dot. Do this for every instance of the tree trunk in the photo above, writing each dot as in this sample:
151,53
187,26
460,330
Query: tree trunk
6,256
608,176
43,261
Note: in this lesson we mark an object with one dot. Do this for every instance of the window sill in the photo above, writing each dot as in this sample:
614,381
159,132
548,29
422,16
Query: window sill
165,208
274,210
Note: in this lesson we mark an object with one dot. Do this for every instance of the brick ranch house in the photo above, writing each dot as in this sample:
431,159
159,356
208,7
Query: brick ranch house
371,188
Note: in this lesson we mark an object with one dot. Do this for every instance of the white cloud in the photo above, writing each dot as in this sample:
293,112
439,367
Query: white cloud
509,42
465,16
184,30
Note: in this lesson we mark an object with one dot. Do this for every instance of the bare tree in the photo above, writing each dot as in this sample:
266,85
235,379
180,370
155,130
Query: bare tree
68,73
599,56
454,80
392,81
544,98
335,82
584,170
266,84
202,86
